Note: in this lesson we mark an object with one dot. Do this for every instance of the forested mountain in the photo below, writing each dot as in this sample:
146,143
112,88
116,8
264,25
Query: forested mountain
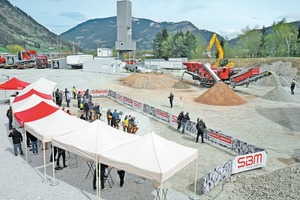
102,32
16,27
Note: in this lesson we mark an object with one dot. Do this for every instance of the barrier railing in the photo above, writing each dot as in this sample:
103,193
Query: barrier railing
248,156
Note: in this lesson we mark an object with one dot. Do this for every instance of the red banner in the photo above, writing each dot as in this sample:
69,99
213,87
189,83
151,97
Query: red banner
119,97
127,101
220,139
162,115
98,93
137,105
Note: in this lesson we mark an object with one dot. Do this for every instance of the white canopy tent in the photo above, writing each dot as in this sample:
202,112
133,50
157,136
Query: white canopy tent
42,85
58,123
92,141
150,156
30,102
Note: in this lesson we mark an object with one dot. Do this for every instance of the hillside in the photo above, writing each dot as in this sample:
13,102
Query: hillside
102,32
16,27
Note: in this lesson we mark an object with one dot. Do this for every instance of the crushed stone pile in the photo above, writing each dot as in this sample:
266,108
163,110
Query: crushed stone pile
279,93
220,95
283,70
149,80
181,85
280,184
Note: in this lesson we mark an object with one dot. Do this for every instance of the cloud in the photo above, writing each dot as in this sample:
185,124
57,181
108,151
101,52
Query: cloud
74,15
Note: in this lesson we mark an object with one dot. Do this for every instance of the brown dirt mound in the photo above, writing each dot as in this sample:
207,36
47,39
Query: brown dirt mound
220,95
149,80
181,85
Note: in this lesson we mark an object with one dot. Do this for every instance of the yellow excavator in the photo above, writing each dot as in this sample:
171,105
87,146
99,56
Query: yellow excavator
221,61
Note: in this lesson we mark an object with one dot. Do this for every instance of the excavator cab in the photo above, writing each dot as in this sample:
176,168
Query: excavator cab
223,62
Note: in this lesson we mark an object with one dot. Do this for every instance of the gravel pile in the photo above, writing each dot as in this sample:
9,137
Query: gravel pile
181,85
279,93
286,74
281,184
149,80
220,95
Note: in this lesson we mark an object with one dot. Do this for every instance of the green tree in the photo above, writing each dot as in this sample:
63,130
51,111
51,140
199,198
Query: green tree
14,48
159,38
262,52
199,47
282,39
249,42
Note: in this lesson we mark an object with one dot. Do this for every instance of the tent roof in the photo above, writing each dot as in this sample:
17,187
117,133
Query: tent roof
150,156
93,139
13,84
42,85
29,103
57,123
31,92
34,113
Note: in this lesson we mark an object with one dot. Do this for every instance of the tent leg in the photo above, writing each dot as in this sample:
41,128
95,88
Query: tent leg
53,168
195,197
25,146
45,180
161,190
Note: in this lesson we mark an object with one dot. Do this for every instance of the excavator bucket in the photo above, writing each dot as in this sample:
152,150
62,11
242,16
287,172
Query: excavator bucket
207,54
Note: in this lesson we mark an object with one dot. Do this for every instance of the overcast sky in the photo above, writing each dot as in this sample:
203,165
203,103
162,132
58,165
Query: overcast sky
226,17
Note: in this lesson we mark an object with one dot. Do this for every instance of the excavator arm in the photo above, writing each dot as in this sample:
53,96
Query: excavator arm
221,61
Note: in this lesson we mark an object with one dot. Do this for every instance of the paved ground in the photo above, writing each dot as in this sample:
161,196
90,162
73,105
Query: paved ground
267,124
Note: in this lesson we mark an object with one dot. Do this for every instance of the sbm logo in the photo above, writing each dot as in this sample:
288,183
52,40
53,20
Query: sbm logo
249,160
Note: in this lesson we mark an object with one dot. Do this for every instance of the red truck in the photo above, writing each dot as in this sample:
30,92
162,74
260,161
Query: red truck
41,61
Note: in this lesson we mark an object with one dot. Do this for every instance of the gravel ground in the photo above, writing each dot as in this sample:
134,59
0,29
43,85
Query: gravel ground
245,122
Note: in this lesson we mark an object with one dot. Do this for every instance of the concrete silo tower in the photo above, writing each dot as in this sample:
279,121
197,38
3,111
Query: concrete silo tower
124,43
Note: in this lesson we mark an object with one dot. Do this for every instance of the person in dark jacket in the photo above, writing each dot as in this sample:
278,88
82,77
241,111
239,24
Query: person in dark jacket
184,120
34,143
292,87
61,152
9,115
200,129
102,176
179,118
17,139
171,97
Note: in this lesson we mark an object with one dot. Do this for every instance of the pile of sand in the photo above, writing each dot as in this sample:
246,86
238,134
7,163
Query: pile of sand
220,95
149,80
181,85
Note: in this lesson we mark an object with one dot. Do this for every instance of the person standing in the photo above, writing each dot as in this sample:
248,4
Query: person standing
184,120
109,117
9,115
179,118
17,139
200,129
57,94
79,97
292,87
68,98
74,91
61,152
34,143
102,176
171,97
121,174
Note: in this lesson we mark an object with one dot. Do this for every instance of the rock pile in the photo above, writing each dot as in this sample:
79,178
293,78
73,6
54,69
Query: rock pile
280,184
149,80
279,93
220,95
283,70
